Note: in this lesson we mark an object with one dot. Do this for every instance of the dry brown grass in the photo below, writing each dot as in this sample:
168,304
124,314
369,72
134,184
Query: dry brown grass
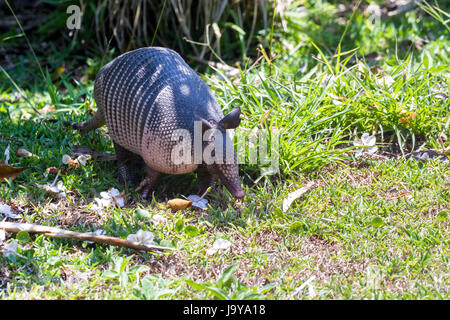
310,253
134,23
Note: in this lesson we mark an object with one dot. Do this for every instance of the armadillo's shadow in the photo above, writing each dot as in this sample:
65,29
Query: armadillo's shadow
223,207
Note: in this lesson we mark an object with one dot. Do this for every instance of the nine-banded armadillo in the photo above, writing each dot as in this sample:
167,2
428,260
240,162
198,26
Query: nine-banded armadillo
144,96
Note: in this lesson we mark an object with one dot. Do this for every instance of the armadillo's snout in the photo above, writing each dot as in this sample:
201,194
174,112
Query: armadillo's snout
229,174
239,194
235,190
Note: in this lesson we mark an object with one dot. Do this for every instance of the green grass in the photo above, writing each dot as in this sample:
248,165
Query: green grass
373,231
371,228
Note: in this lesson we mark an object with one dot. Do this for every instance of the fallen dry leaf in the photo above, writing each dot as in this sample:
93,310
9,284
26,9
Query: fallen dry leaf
198,201
403,195
376,70
142,237
55,170
8,211
46,109
11,249
66,159
97,155
179,204
7,172
21,152
407,116
7,155
15,207
219,244
158,219
295,195
110,197
57,190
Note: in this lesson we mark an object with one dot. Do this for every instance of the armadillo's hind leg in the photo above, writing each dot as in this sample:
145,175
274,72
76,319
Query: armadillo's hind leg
95,122
127,163
149,182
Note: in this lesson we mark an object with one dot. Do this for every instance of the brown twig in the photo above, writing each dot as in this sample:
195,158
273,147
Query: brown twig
225,67
97,155
53,232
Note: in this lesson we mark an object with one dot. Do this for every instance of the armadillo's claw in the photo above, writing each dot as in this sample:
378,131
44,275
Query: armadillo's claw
148,183
145,186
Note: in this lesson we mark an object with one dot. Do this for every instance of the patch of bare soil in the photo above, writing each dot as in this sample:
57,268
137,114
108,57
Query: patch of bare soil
311,256
71,216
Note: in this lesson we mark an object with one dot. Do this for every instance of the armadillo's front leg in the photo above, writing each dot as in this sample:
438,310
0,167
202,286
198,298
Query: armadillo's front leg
149,182
205,177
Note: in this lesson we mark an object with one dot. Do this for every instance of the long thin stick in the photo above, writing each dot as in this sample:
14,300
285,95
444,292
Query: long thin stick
53,232
157,24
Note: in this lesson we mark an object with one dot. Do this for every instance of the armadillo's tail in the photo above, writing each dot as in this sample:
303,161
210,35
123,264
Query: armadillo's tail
98,119
95,122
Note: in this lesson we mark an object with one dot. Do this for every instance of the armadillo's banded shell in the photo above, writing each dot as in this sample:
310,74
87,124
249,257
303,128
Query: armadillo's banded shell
144,95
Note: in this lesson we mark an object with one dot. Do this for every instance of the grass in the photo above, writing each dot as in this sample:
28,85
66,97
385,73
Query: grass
374,227
377,230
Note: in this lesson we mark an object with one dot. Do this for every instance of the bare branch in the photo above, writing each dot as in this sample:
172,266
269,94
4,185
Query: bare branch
53,232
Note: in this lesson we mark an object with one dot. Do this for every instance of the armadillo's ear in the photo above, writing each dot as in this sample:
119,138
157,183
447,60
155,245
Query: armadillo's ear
206,125
231,120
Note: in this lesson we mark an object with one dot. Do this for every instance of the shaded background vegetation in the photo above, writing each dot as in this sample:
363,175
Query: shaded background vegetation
225,30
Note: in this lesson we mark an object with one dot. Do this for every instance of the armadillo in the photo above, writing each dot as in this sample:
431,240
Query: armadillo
143,96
